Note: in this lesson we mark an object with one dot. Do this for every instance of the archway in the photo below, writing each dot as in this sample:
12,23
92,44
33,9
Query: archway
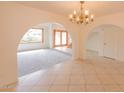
107,41
40,53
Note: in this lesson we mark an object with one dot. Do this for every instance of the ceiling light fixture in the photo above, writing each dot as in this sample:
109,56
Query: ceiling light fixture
84,17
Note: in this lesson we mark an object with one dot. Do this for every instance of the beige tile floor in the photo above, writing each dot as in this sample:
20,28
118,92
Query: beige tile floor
98,74
64,49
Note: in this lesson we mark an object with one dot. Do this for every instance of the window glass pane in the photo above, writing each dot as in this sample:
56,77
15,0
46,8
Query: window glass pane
57,37
63,38
32,36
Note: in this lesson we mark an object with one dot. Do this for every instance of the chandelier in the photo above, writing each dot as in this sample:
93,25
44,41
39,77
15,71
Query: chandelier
84,17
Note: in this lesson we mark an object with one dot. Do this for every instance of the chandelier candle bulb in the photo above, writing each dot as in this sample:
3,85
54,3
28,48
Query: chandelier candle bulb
78,19
86,13
75,12
92,16
87,20
70,16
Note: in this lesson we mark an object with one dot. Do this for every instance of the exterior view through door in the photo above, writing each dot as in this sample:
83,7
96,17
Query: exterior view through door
60,38
62,41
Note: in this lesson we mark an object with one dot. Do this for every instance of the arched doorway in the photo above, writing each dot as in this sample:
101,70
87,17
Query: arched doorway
105,41
36,50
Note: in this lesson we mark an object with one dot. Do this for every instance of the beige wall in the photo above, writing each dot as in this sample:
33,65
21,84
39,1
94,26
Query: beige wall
115,40
15,20
116,19
93,42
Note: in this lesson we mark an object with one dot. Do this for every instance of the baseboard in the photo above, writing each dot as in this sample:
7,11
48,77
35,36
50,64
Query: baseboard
62,52
75,58
11,85
91,50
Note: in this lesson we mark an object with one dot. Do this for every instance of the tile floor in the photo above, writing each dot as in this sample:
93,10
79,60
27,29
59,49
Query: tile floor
32,61
98,74
64,49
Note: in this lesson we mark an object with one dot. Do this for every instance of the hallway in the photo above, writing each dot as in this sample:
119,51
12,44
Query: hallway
99,74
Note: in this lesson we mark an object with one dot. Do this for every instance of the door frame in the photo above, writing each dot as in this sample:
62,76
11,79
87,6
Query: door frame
54,38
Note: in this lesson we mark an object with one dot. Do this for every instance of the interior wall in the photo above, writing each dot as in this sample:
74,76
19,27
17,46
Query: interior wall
93,42
117,32
16,19
46,38
104,31
52,27
115,19
120,43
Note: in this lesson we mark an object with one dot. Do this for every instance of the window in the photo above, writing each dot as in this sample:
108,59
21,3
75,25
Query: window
33,36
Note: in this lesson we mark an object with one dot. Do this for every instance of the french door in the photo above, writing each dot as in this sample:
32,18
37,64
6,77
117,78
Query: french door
60,38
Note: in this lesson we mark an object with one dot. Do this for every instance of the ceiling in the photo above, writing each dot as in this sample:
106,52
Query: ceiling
98,8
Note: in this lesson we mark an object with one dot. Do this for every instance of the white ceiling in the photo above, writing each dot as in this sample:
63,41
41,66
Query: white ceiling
98,8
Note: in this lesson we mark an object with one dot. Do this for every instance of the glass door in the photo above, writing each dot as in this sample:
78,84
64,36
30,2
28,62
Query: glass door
60,38
64,38
57,38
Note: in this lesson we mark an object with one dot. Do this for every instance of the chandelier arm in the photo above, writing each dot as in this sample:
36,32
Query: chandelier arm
83,17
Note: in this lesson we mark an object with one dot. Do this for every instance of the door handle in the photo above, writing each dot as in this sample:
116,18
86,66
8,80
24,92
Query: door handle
105,44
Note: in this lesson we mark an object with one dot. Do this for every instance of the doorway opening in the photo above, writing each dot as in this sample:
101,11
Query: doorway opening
105,41
36,50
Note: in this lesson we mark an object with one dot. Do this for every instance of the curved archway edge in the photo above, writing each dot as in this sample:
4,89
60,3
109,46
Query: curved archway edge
14,26
89,32
50,27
